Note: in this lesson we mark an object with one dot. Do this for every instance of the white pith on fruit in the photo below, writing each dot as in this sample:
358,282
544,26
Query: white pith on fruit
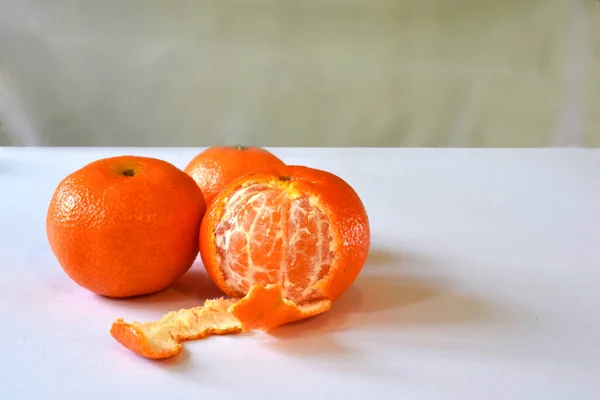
269,235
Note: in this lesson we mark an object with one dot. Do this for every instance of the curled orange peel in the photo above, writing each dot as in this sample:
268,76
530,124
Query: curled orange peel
262,308
163,338
265,308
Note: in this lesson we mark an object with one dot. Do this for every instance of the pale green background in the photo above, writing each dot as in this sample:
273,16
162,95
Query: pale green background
300,73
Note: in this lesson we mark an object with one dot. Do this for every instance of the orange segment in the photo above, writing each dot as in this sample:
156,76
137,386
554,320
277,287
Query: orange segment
162,338
265,308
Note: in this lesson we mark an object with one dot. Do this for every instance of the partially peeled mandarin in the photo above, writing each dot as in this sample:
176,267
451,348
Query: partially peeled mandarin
301,228
283,245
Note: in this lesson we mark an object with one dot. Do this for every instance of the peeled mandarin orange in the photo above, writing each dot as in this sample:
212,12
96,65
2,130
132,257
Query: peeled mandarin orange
301,228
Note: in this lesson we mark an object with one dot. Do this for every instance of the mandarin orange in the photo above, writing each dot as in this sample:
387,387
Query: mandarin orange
125,226
215,167
301,228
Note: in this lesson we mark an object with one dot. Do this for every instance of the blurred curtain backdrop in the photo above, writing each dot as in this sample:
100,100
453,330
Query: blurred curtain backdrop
482,73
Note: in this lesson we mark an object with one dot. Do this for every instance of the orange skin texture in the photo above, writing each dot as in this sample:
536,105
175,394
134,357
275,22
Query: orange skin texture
136,340
215,167
125,226
164,338
339,202
265,308
262,308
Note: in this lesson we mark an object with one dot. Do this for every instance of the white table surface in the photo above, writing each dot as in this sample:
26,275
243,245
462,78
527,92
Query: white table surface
483,283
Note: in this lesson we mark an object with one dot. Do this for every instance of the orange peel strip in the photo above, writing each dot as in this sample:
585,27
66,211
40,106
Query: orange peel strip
265,308
162,338
262,308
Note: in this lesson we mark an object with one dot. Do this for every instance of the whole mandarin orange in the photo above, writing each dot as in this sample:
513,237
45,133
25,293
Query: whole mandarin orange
215,167
125,226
